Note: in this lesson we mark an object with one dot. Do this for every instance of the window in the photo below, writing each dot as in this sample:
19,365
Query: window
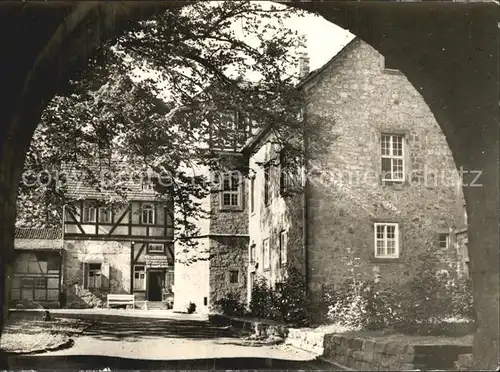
386,240
444,240
94,276
234,276
88,213
392,157
289,172
252,253
252,194
139,278
267,184
156,248
266,255
283,246
231,190
33,283
53,262
104,215
148,214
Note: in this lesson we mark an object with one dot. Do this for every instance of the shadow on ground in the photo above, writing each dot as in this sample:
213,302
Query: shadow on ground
92,362
134,328
120,327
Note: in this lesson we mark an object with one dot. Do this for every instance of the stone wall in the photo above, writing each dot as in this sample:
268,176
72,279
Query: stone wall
370,355
283,213
356,100
77,252
227,254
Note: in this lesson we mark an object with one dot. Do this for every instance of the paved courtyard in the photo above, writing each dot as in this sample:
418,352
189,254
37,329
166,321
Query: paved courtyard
136,340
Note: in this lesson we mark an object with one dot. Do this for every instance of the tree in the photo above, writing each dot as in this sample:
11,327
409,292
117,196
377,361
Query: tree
111,112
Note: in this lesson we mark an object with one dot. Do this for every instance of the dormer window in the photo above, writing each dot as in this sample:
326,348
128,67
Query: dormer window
147,214
88,213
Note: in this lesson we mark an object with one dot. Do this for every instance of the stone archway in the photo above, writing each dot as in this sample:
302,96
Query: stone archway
449,51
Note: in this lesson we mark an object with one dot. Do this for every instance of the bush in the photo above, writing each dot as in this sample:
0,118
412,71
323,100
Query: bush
287,303
191,308
418,306
230,305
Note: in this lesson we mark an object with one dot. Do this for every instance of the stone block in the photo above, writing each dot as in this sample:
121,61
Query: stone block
394,348
380,347
368,345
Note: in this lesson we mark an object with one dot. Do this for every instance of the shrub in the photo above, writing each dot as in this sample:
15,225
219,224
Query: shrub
230,305
291,301
191,308
417,306
262,304
287,303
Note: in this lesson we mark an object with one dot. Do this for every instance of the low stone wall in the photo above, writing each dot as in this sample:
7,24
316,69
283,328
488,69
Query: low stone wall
306,339
366,354
258,327
464,362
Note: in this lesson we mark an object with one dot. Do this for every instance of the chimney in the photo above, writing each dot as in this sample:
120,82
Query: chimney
303,65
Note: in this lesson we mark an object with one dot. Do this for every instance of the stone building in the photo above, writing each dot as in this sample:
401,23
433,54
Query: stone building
379,190
216,265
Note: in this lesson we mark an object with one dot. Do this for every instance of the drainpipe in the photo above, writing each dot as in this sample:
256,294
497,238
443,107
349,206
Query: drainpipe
304,207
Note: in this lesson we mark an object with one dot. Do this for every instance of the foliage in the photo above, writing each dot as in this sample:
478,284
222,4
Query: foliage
194,66
417,306
287,303
231,305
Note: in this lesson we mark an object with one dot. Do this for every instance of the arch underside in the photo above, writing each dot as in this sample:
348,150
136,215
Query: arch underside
448,51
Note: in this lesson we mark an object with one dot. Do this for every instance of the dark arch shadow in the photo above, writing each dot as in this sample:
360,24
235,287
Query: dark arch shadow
448,51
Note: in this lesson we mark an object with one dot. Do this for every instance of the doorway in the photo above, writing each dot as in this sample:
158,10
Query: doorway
156,282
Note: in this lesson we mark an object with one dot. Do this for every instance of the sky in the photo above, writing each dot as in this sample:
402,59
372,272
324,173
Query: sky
324,39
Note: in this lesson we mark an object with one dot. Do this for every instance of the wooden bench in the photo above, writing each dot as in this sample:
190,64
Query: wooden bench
121,299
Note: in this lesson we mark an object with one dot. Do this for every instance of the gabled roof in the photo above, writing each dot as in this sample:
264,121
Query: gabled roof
314,74
38,233
124,175
262,133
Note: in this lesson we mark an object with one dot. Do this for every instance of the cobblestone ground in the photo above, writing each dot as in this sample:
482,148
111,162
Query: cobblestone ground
125,341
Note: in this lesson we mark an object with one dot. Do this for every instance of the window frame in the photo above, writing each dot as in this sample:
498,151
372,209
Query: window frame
283,240
446,241
148,207
232,191
397,239
107,212
143,271
252,194
266,257
391,157
267,184
86,208
94,270
231,277
149,250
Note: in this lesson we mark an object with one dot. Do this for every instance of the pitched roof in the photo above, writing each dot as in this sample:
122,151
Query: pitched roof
261,134
121,174
39,234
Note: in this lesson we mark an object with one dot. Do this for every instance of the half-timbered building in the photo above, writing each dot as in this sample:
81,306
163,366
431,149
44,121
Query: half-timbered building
37,266
118,247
